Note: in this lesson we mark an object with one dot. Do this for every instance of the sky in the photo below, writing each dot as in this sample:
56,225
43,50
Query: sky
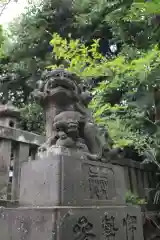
13,10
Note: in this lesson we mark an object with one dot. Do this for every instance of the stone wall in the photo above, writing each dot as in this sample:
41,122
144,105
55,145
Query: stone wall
16,147
139,178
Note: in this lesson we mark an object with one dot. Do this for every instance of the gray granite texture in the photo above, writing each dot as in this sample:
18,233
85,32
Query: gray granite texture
69,223
68,179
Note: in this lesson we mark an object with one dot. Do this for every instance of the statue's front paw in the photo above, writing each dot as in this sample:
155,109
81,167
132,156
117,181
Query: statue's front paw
94,157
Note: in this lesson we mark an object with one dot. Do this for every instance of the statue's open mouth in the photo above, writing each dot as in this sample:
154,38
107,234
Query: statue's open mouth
72,127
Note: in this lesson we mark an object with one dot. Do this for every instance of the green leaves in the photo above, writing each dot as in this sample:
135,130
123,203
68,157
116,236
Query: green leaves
77,56
2,41
133,199
141,10
88,62
32,118
124,120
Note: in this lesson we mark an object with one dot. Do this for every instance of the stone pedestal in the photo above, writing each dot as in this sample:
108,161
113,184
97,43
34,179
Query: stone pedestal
63,195
62,178
72,198
69,223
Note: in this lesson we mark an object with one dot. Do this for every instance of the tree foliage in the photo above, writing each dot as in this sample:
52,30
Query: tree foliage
28,51
2,39
32,118
125,83
128,118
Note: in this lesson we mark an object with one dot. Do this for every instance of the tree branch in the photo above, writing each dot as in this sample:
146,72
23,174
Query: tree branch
4,7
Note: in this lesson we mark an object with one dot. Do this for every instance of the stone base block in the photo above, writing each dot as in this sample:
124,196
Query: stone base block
64,223
65,179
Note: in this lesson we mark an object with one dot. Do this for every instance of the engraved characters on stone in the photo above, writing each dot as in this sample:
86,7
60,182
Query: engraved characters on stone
109,227
129,224
98,183
98,188
83,230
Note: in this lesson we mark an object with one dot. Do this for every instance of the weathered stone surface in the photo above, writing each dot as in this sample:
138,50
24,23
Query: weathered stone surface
26,224
22,155
110,223
69,122
5,155
70,179
9,115
19,135
104,223
8,110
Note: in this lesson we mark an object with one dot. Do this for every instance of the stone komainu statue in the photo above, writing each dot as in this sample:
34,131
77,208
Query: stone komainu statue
69,122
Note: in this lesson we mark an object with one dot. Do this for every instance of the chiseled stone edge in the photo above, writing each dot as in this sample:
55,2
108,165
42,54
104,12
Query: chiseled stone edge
21,136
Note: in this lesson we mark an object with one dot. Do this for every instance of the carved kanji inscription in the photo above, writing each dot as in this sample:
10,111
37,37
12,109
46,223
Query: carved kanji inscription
83,230
109,227
130,225
98,188
98,183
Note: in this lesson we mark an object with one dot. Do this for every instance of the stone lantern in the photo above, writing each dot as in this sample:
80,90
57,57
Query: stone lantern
9,115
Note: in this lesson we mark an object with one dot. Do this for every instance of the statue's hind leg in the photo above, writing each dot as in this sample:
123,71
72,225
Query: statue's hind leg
91,139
